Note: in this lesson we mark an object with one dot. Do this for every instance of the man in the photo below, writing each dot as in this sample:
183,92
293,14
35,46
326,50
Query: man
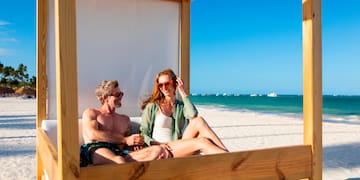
106,133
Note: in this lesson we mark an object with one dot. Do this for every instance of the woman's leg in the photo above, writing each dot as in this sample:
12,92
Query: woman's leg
199,127
186,147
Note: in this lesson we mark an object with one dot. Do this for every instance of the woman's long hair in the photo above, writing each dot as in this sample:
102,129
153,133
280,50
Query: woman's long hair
157,96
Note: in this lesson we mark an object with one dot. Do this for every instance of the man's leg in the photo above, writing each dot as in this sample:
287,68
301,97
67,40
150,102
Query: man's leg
147,154
106,156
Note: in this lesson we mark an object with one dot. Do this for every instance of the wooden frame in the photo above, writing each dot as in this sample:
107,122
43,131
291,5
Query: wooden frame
312,75
295,162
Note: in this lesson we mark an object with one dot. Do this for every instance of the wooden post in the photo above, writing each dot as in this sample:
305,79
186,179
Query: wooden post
66,90
185,43
312,76
41,35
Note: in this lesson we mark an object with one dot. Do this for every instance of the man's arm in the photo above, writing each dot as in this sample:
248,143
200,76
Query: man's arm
92,133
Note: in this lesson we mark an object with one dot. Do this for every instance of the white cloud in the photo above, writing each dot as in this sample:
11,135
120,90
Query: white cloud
2,23
8,40
5,52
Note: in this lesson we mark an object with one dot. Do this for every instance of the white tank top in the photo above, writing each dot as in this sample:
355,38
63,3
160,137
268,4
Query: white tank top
162,128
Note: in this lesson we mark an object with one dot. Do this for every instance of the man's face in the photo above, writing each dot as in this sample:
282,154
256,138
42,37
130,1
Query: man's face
114,99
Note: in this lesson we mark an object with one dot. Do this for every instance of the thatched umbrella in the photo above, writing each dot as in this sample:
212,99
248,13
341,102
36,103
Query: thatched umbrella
6,90
25,91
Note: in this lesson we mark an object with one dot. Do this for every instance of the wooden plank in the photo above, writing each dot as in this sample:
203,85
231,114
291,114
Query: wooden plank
177,0
312,100
47,154
173,0
277,163
185,43
41,36
66,89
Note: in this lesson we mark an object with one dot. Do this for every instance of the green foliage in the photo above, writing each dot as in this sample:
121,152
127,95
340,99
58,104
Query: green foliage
19,77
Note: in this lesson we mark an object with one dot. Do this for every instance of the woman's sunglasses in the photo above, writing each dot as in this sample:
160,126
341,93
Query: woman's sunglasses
166,84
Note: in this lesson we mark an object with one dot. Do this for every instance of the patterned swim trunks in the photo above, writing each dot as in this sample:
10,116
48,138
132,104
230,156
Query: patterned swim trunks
87,149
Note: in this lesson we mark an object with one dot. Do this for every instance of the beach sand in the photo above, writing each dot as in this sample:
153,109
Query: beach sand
238,130
17,138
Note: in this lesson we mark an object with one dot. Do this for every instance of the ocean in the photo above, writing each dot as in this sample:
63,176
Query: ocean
344,108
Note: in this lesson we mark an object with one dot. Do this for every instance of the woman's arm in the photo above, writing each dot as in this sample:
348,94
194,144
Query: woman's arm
190,110
146,124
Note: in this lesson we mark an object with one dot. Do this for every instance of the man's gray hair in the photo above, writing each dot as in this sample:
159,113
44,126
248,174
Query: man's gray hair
105,88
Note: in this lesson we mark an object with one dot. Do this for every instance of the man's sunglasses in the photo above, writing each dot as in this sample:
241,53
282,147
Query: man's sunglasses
118,94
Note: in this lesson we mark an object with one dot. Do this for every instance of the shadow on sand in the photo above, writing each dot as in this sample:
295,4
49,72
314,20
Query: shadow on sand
17,152
17,116
18,122
342,156
342,122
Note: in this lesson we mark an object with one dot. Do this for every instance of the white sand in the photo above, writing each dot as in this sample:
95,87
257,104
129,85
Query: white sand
251,130
17,138
238,130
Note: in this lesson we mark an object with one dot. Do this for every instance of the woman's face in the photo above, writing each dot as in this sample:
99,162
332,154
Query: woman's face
166,86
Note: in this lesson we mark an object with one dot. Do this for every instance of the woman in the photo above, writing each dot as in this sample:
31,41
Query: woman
164,118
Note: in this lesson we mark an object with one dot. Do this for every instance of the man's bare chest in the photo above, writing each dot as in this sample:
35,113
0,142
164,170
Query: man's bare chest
112,124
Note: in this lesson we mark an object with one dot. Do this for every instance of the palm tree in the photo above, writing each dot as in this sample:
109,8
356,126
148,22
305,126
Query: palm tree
1,68
15,78
21,74
8,77
32,82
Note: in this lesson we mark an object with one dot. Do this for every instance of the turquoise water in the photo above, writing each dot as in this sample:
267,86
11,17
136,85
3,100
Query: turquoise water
334,107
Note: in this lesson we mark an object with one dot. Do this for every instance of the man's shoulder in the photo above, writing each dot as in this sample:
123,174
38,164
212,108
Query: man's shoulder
90,112
123,117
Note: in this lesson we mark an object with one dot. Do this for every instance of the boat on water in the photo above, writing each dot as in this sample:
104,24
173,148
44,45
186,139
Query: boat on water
272,94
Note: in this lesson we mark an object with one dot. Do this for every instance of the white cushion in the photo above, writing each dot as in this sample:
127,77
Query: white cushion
50,128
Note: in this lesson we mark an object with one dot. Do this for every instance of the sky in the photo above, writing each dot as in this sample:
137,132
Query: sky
236,46
255,46
18,34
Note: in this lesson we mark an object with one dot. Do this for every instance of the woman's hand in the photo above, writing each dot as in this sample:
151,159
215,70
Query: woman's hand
181,87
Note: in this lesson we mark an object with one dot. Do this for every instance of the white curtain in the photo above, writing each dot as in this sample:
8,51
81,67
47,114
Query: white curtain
127,40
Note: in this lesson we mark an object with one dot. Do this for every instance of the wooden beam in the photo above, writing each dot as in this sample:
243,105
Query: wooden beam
173,0
66,89
312,75
47,154
185,43
276,163
179,1
41,36
41,82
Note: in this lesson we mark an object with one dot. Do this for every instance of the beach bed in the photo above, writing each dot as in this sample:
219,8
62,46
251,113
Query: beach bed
136,39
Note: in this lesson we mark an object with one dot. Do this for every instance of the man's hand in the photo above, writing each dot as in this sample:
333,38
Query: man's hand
134,139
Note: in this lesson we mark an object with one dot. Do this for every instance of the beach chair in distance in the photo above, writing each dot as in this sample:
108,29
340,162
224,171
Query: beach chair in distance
135,40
